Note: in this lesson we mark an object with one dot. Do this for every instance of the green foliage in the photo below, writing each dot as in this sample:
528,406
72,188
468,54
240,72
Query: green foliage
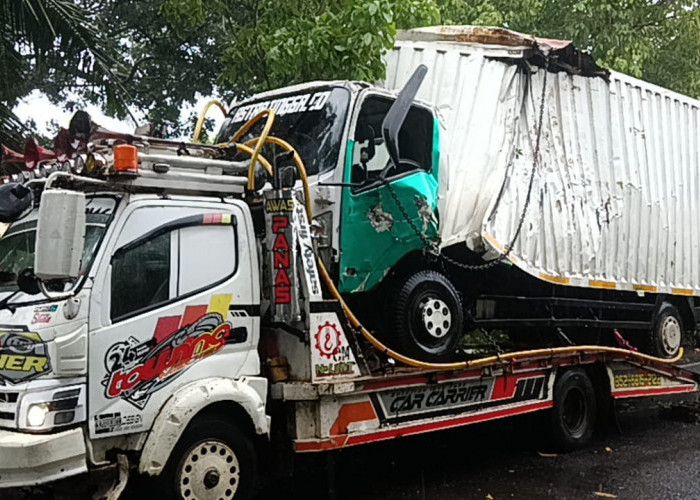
157,55
657,40
267,44
52,45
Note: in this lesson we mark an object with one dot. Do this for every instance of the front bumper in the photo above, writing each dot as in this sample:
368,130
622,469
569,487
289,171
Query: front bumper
29,459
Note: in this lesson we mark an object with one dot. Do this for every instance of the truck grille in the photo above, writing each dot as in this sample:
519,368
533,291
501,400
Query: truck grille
8,408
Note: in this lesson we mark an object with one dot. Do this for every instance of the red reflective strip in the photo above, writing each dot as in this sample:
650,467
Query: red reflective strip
192,314
653,391
212,218
342,441
166,327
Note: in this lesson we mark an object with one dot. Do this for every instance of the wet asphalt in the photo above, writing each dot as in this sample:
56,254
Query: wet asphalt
651,456
649,453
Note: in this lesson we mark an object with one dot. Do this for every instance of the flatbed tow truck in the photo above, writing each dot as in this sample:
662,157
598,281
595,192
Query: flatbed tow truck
197,329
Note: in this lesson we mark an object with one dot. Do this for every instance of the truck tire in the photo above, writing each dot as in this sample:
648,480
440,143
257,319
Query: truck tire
213,459
666,332
426,316
573,417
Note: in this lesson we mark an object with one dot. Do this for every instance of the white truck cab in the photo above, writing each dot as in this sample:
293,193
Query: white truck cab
166,309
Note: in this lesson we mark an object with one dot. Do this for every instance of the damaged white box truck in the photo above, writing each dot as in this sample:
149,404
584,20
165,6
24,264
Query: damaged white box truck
590,236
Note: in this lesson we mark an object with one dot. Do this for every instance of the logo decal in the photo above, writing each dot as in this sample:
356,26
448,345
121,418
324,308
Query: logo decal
23,356
328,340
135,370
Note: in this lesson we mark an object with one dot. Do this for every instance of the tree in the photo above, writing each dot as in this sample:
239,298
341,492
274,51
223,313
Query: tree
656,40
267,44
158,55
53,46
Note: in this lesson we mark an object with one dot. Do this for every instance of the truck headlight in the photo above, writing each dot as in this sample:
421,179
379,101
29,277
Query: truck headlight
36,415
47,409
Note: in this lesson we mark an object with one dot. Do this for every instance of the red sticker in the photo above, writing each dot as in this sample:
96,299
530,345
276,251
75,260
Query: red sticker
328,340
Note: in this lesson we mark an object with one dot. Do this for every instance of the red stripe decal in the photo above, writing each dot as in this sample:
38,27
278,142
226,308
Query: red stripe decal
653,391
335,443
192,314
349,413
166,327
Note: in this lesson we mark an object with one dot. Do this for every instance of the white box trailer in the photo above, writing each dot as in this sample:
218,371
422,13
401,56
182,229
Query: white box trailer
617,187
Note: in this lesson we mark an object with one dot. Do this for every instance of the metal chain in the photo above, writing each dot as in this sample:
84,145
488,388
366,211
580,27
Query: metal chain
431,246
492,341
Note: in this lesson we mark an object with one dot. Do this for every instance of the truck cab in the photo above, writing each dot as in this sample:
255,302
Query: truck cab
167,291
362,200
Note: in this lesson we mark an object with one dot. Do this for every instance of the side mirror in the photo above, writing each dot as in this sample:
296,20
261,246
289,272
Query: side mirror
397,115
60,235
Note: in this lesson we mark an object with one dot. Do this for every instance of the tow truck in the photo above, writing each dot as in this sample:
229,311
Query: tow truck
163,310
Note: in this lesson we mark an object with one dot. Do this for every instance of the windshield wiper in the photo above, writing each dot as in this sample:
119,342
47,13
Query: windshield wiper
5,303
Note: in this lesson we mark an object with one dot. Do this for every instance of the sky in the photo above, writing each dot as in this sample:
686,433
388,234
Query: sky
37,107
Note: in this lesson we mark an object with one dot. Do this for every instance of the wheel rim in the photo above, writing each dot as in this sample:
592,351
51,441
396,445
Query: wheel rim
436,315
574,411
670,335
209,470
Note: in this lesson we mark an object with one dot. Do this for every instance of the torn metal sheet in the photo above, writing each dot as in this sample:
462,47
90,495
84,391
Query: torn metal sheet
616,191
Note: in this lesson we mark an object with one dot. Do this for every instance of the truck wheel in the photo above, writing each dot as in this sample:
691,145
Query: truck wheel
574,412
427,316
212,460
666,331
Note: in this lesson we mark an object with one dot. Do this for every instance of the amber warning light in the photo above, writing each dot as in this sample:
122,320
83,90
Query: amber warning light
126,159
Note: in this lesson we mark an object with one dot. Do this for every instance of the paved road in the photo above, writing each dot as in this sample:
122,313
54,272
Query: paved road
653,458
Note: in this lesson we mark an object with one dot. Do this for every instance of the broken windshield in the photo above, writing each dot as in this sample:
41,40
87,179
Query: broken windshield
312,121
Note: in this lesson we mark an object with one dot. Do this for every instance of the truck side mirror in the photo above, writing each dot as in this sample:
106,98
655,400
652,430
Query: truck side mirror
60,235
397,114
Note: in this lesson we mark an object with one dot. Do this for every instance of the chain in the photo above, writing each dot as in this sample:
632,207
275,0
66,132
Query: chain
492,341
427,242
431,246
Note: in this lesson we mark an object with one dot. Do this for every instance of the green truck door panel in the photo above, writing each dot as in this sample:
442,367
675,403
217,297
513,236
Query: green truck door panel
374,233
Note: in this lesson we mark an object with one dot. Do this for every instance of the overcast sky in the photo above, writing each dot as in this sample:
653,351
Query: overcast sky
37,107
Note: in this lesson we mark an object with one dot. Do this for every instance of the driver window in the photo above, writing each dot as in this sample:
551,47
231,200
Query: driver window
370,155
141,276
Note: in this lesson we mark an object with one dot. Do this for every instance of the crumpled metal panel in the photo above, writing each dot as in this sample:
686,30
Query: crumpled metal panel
484,35
617,188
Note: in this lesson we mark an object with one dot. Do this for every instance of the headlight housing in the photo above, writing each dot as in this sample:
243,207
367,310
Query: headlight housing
45,410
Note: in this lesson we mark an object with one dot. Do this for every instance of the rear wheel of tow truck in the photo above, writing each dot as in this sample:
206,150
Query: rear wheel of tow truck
426,315
574,412
666,331
212,460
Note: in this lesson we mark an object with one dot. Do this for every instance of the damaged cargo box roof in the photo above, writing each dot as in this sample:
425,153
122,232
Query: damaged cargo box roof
564,56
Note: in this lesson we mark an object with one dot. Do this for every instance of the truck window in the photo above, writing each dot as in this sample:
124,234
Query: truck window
415,140
17,244
171,266
207,256
141,276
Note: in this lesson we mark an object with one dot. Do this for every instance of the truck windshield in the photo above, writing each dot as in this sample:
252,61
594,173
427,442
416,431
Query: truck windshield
17,246
312,121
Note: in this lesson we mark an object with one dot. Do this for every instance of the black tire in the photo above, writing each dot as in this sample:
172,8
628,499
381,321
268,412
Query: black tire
666,334
225,446
418,297
573,417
